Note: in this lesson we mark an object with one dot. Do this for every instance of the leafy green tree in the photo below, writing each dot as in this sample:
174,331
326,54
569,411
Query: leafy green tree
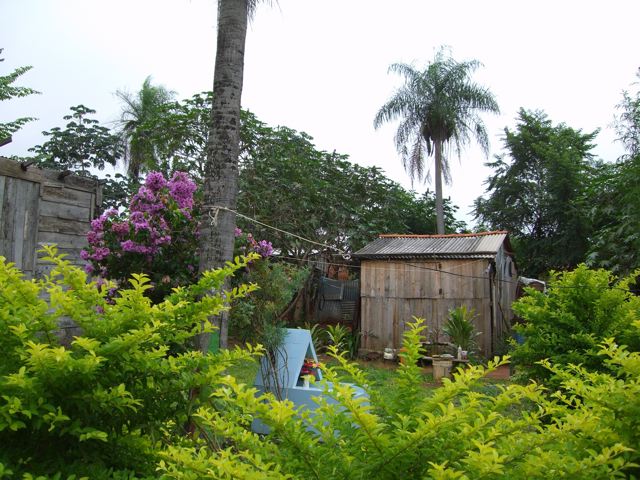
568,323
616,197
140,155
82,145
9,91
628,122
538,192
436,107
287,183
180,132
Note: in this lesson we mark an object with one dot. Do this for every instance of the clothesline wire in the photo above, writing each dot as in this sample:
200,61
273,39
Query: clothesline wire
253,220
419,267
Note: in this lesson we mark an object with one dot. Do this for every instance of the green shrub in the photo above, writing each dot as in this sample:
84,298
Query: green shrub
104,405
568,323
257,317
460,431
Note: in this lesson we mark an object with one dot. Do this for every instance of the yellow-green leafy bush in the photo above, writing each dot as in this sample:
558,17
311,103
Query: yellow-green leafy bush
465,430
117,401
104,405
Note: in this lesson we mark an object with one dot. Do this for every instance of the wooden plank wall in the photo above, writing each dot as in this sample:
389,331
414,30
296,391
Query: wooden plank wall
393,292
37,208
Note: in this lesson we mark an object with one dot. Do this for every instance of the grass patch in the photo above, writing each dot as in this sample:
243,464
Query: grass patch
244,371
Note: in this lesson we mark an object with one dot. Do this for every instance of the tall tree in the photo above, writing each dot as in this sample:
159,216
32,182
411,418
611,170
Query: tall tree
223,150
538,193
8,91
286,182
437,107
615,245
138,110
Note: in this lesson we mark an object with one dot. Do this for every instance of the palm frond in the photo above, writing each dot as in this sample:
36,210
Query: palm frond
437,104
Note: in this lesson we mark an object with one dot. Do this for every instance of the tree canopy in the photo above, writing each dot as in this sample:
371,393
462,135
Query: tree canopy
136,110
616,192
289,184
538,193
82,145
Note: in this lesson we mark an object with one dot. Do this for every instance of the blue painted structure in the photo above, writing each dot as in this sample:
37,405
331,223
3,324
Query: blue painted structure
288,364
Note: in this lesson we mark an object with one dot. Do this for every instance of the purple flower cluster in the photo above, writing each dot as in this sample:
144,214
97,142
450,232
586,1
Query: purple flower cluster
158,235
246,243
182,189
263,248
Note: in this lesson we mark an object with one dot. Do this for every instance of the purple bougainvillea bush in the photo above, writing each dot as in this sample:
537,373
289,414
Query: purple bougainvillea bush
158,235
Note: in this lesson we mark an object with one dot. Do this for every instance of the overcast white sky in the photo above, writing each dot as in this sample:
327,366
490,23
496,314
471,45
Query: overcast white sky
320,66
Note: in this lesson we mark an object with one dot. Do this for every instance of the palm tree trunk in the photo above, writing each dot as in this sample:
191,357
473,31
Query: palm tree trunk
221,169
438,174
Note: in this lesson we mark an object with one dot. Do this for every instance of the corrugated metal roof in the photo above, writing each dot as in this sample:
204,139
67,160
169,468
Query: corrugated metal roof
475,245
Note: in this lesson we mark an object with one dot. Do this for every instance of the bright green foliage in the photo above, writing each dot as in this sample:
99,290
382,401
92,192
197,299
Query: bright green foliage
537,193
337,336
9,91
464,430
258,317
105,404
569,322
460,329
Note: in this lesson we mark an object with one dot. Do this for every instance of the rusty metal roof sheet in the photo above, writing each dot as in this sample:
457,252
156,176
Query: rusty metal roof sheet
475,245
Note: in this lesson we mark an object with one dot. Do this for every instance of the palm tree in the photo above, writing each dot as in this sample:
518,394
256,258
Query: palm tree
223,148
138,110
437,107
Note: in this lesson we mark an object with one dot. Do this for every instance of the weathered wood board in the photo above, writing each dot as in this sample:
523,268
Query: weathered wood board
39,207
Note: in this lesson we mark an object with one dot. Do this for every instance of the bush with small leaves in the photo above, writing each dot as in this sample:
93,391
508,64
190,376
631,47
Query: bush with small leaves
568,323
104,405
464,430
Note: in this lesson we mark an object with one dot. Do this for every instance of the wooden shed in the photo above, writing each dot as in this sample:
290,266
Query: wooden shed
403,276
39,207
